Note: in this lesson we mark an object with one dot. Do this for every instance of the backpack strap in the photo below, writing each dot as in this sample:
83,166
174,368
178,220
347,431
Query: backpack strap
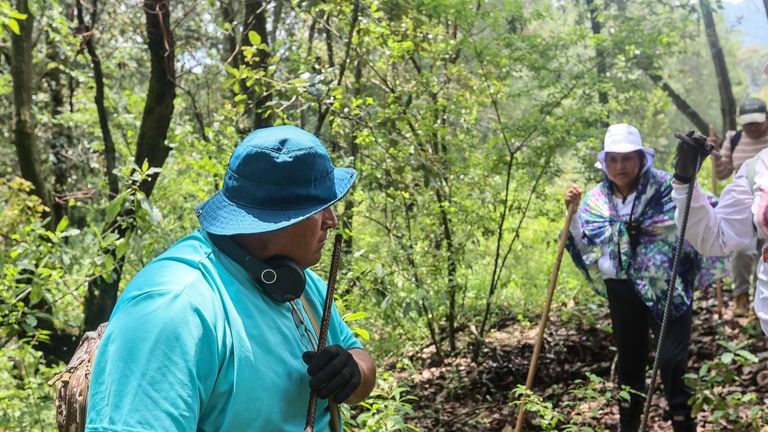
735,141
311,314
332,406
73,383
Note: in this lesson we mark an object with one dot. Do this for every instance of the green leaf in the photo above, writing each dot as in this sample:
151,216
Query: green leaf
120,247
748,356
354,316
254,38
17,15
31,320
154,214
14,25
232,70
35,294
362,333
63,223
114,207
727,357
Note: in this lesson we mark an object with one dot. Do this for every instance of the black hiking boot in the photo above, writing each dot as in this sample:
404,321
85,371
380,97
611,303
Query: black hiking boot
682,422
629,415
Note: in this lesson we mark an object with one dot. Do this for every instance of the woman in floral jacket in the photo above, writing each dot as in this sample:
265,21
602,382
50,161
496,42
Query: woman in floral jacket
625,234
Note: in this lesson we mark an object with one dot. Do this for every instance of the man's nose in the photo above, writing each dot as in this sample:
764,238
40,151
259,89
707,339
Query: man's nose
329,219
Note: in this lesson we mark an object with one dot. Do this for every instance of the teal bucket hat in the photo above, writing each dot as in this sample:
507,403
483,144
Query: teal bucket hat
276,177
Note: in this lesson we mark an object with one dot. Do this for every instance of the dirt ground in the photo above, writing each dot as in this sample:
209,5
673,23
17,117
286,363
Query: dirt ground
459,395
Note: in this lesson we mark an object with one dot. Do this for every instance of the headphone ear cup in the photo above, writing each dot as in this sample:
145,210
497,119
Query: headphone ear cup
284,281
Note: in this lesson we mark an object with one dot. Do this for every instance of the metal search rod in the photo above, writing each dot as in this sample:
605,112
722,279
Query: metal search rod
324,322
670,288
545,315
719,282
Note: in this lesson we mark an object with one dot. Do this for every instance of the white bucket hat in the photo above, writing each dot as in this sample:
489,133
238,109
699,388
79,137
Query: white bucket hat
623,138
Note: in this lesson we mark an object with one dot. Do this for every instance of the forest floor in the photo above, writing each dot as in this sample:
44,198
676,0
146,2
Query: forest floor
460,395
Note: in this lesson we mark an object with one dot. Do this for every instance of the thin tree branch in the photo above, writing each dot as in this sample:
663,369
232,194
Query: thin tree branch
86,32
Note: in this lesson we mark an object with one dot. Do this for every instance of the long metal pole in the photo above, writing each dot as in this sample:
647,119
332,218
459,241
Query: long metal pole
715,187
545,315
671,286
324,322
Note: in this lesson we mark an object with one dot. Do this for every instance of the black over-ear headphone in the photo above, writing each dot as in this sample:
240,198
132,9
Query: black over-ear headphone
280,278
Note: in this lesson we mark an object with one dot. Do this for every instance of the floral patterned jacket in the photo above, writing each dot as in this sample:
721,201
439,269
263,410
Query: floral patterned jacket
648,262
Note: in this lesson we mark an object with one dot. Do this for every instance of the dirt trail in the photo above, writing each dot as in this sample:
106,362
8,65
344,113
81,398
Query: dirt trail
460,396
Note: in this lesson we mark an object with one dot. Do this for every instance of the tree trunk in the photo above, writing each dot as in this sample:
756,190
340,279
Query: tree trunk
158,109
277,16
682,105
602,67
256,20
324,110
727,101
453,286
61,134
24,139
354,150
232,52
150,148
765,7
428,315
59,344
110,155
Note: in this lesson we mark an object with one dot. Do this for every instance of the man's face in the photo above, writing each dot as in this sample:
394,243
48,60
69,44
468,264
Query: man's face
303,241
755,130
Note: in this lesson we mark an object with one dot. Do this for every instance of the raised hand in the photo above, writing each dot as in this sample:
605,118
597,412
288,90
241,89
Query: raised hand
692,149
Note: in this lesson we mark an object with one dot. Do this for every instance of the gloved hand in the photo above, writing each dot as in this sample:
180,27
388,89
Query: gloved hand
692,149
334,372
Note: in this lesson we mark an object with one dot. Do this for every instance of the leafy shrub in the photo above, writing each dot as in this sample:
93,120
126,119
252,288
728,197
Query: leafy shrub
718,391
386,408
590,395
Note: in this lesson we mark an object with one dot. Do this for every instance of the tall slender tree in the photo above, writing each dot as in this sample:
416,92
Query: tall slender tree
87,31
596,25
259,97
24,136
151,148
727,101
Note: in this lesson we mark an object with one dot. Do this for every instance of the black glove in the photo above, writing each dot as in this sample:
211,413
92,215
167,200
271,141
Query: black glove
334,372
692,149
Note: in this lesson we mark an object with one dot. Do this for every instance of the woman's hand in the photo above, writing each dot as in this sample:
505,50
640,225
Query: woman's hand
572,195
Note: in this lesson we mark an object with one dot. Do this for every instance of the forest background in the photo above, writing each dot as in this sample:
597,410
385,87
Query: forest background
466,120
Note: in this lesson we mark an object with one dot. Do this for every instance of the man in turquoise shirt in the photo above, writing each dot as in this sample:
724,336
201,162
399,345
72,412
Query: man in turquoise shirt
216,333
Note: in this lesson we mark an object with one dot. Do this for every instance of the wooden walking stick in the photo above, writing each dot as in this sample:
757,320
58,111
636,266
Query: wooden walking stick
719,282
324,322
545,315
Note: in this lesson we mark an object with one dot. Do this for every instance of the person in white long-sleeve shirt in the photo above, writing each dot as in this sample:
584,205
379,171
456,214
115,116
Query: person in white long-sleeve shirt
738,147
736,222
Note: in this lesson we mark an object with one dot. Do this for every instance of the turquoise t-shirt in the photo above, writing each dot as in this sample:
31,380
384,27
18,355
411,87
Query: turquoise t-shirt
194,345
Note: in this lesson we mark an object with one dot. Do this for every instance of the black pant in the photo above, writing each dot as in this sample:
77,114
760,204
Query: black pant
631,318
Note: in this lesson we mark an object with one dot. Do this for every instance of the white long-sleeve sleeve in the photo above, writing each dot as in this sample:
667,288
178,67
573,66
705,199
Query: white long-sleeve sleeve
575,229
726,228
721,230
